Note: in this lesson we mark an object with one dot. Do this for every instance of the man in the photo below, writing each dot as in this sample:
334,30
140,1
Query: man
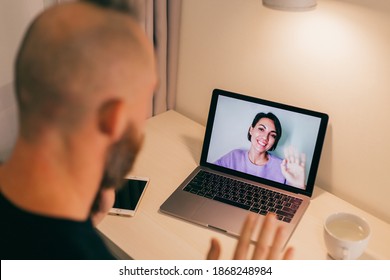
84,77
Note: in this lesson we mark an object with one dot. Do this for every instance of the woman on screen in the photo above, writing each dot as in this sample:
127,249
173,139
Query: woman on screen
264,135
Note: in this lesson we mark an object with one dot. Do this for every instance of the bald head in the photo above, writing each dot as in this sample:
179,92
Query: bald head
73,57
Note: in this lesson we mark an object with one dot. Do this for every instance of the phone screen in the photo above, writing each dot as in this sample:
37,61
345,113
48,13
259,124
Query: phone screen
129,195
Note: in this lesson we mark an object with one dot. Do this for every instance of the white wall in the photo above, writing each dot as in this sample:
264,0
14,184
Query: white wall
335,59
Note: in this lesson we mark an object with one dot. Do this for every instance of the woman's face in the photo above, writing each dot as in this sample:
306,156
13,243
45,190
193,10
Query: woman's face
263,135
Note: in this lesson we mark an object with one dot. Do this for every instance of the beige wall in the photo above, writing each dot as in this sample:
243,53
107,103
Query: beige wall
335,59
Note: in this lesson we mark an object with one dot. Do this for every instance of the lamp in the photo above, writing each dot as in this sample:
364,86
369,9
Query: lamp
290,5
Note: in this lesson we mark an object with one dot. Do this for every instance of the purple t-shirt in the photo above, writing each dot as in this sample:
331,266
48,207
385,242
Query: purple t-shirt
239,160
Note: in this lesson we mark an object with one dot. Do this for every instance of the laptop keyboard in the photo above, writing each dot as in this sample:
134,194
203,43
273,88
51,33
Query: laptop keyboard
243,195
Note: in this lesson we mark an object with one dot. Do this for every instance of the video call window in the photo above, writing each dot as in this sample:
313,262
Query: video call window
234,142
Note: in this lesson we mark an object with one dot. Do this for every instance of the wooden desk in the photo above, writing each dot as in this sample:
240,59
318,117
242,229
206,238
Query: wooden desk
171,151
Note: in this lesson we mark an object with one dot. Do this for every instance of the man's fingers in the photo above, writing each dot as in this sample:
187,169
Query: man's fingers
289,254
245,237
265,238
215,250
269,244
278,243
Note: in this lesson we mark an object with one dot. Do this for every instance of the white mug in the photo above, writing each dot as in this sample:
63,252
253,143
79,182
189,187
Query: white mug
346,236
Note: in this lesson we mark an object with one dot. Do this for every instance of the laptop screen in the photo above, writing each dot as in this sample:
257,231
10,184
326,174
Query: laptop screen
268,142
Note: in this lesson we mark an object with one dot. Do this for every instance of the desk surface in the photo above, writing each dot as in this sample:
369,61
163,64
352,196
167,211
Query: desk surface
171,151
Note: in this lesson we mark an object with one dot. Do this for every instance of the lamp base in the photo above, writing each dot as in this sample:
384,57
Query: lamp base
290,5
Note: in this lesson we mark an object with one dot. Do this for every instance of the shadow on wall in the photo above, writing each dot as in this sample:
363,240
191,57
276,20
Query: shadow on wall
8,120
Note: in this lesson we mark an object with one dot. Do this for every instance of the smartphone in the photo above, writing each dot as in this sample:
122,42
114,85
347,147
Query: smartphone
128,198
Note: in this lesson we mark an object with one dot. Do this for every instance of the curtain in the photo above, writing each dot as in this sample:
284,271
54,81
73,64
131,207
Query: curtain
161,21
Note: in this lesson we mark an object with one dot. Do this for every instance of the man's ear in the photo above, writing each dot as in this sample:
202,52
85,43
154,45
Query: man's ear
112,118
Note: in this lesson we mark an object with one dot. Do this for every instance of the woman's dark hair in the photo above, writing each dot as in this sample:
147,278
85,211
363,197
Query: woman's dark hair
276,121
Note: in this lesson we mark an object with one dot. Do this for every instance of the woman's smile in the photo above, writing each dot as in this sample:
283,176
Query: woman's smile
263,134
262,142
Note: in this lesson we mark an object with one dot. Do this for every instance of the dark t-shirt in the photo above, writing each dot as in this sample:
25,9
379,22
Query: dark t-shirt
24,235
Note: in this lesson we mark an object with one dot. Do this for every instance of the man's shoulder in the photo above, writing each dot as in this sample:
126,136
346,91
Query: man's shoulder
26,235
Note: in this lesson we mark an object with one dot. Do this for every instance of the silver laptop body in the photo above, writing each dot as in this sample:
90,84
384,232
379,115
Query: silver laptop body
225,207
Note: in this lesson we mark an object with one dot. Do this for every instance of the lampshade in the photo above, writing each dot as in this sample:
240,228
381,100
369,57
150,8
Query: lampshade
290,5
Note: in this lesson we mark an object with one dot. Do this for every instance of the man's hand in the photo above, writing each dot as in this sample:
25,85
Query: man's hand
105,203
269,245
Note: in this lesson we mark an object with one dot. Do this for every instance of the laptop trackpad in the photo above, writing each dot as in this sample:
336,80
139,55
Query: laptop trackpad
183,204
221,216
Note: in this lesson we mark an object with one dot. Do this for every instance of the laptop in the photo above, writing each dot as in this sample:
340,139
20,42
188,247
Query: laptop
241,167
